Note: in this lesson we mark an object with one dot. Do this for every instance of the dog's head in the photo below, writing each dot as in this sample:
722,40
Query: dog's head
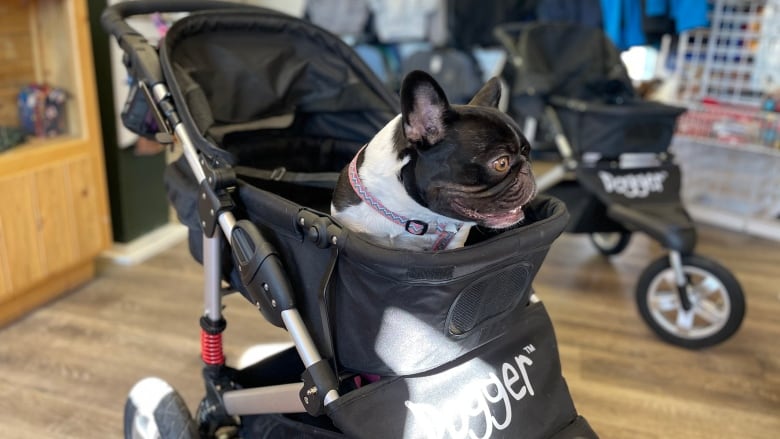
468,162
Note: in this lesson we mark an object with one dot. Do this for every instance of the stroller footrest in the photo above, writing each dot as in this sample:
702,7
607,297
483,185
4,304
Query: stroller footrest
669,224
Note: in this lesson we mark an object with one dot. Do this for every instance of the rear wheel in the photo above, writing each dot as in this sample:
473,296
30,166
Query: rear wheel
154,410
610,243
711,310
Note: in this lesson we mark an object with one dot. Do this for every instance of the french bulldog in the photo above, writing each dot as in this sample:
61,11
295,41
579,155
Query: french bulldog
437,170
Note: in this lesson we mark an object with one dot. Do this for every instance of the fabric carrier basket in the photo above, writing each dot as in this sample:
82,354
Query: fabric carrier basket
613,129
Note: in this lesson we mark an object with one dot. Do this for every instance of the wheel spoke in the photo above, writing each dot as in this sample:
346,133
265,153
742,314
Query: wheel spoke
710,312
669,278
666,301
685,320
709,285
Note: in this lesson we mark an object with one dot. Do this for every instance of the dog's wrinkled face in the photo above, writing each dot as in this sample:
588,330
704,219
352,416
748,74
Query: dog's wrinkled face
468,162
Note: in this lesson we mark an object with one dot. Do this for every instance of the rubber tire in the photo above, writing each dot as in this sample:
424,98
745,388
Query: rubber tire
622,243
732,288
170,413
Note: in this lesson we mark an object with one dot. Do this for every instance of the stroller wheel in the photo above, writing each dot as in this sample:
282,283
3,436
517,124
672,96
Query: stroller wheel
154,410
610,243
715,302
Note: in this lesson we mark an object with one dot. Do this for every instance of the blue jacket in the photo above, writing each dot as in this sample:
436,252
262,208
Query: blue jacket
623,18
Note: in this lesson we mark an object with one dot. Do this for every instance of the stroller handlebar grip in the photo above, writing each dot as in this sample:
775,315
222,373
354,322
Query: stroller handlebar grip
142,55
114,16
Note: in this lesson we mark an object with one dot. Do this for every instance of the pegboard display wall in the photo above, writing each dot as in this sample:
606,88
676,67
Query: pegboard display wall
736,60
728,142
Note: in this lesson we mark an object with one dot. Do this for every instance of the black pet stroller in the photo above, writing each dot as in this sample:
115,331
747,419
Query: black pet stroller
616,174
388,343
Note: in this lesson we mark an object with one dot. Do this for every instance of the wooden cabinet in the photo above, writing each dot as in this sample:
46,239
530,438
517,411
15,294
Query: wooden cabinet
54,216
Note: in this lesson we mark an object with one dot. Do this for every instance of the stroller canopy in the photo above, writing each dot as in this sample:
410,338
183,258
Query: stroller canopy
565,59
242,71
577,71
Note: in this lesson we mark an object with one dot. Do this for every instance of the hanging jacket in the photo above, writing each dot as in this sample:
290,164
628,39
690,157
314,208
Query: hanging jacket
687,14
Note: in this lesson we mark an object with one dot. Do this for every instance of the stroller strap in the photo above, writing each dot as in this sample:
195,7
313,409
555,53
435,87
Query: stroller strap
315,179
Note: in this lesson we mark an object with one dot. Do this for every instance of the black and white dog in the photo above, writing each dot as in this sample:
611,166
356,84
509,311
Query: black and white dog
436,170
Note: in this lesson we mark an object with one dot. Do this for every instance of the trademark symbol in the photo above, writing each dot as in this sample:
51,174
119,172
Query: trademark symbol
530,348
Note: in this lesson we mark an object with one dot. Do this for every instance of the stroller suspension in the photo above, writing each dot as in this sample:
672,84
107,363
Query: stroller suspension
682,281
211,341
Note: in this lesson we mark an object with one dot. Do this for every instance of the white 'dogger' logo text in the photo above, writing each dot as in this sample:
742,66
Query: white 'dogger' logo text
634,185
454,418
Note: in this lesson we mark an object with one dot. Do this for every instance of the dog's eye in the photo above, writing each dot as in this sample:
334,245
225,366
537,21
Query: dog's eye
501,164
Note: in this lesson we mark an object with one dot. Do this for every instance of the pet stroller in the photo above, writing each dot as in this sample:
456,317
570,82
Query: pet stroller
388,343
616,174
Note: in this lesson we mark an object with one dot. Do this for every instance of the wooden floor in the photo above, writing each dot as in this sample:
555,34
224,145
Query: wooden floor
65,370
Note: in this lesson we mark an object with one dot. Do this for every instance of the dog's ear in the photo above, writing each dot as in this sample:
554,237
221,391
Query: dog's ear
488,95
423,108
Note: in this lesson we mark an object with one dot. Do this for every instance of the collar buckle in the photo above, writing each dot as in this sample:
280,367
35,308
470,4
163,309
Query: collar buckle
416,227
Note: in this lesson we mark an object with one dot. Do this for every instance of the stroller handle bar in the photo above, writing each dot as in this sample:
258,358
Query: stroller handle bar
507,33
140,55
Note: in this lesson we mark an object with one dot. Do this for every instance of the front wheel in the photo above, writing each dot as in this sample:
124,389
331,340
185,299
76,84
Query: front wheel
154,410
610,243
712,313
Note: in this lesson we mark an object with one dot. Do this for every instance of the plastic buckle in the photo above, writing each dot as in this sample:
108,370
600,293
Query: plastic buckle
278,173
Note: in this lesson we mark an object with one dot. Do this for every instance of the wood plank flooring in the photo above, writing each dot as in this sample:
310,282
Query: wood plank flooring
65,369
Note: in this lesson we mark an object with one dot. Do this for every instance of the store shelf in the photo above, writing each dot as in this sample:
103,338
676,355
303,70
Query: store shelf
727,147
54,216
734,186
747,147
756,226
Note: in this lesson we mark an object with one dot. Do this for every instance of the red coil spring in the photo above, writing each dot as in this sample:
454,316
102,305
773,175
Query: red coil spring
211,348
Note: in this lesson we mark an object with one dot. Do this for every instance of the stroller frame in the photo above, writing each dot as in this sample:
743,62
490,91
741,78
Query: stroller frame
272,399
265,283
564,171
215,186
285,398
661,216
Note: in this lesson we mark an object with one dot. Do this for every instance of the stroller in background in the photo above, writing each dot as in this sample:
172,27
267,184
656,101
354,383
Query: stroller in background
389,343
616,174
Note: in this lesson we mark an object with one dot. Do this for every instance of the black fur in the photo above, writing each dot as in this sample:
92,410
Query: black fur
344,196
